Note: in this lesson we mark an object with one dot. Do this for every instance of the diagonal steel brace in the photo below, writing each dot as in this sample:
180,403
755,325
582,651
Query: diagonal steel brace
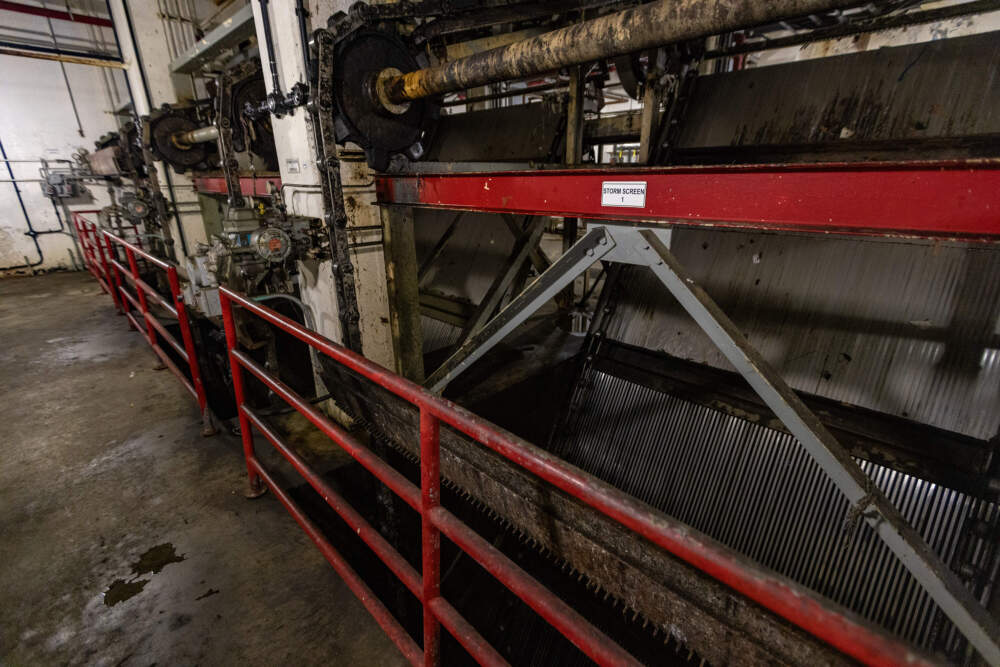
944,587
647,247
591,248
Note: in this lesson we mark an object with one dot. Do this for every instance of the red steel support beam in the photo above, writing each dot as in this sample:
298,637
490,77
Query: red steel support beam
55,14
957,199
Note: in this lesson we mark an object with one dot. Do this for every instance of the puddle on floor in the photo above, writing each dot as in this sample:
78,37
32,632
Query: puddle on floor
156,559
152,561
122,590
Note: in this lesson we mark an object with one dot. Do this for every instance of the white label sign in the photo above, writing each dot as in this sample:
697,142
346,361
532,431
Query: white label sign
623,193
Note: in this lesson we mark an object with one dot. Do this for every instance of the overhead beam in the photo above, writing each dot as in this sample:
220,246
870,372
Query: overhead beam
955,199
55,14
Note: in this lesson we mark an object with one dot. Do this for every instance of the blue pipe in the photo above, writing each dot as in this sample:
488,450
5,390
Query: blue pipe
31,230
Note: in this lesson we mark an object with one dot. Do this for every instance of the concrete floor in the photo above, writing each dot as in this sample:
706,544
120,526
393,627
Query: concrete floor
104,477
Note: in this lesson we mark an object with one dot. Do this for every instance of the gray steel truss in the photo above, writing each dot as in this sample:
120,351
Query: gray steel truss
651,248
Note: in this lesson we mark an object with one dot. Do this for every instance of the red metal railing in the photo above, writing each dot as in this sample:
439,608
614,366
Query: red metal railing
93,257
793,603
103,253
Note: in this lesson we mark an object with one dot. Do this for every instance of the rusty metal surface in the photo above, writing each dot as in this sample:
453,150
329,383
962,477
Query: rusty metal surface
676,599
511,134
931,90
755,490
635,29
104,162
907,329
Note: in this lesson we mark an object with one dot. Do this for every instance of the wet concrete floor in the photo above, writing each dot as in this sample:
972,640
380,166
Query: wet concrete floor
124,535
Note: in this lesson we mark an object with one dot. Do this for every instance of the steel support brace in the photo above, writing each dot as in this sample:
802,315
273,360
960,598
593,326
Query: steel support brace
592,247
650,247
523,245
956,601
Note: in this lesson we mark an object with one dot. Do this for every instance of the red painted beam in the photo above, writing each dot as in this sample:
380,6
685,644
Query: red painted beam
252,186
958,200
55,14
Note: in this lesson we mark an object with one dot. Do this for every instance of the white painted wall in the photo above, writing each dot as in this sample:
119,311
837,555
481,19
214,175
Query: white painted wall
36,120
296,144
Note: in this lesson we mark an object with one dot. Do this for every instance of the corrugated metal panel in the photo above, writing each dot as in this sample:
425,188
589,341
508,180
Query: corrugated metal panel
756,490
910,329
472,257
944,88
438,334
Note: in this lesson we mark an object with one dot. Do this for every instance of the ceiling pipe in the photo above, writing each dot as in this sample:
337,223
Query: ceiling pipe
646,26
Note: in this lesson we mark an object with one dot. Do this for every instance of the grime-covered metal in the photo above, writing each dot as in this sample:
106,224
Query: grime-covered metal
647,26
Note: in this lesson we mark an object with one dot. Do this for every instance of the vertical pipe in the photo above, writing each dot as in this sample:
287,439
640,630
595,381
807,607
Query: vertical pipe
269,44
574,155
430,496
27,219
300,12
62,66
255,487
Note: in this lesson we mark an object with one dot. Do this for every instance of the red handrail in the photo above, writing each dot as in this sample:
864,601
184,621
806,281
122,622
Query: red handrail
99,247
94,261
797,605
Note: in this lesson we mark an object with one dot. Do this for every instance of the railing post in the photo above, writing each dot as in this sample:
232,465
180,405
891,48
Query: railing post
116,283
101,241
143,305
83,233
79,238
430,493
207,427
255,487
